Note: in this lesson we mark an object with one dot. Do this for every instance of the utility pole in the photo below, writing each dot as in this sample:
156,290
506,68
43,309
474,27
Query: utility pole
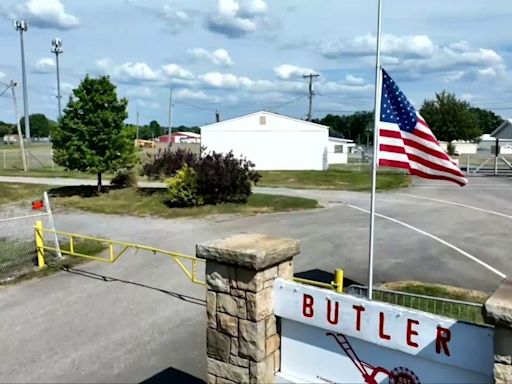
13,85
311,76
22,26
171,106
57,49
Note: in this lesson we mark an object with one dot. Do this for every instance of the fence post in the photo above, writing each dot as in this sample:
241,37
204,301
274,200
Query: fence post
338,280
243,339
40,244
498,311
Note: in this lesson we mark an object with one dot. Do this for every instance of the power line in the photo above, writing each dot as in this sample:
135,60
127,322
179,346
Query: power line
279,106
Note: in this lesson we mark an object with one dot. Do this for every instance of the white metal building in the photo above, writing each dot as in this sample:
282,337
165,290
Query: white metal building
271,141
338,150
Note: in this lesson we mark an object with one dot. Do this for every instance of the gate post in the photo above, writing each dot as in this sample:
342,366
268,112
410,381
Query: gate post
498,311
243,338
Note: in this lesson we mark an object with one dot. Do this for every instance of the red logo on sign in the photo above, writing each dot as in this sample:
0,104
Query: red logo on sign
398,375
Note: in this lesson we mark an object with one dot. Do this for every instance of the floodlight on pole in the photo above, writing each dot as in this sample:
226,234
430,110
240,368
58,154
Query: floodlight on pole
57,49
22,26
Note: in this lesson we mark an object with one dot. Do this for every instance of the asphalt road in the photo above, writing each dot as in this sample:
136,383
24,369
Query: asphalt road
71,327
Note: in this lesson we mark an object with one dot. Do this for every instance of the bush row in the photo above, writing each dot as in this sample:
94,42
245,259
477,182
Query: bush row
210,179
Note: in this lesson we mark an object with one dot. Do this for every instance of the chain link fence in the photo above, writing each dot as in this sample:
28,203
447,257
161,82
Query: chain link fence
17,236
455,309
38,157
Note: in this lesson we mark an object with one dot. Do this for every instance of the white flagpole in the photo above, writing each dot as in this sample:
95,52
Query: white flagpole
378,78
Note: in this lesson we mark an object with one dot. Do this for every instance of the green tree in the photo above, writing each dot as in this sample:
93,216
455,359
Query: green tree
155,129
488,121
90,136
7,128
40,125
353,127
450,118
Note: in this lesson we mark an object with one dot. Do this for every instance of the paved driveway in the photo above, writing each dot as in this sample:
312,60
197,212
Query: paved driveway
140,319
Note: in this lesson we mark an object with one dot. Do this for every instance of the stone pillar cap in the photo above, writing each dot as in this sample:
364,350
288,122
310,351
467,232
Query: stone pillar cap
498,308
249,250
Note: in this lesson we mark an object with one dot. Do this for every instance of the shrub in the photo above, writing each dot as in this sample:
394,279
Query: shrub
166,163
124,178
225,179
182,188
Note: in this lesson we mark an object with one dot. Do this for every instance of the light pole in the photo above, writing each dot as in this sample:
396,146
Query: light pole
57,49
22,26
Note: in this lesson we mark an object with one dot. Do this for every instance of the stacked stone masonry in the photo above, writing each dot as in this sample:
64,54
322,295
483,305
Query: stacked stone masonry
498,311
243,340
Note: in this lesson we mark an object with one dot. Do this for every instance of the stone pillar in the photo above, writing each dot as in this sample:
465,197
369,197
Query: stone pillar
498,311
243,340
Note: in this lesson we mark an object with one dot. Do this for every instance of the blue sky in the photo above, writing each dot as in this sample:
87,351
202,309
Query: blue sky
239,56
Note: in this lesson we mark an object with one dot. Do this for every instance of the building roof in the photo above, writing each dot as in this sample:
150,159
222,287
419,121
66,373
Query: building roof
190,134
266,113
339,140
504,131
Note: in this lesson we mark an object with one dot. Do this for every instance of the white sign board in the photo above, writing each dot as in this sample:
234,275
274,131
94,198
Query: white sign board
335,338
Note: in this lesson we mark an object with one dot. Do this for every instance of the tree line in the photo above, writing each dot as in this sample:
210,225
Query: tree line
449,118
42,126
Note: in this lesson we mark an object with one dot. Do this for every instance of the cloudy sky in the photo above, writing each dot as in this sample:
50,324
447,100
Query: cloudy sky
239,56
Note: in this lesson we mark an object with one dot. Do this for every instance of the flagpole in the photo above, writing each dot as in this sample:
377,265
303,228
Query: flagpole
378,86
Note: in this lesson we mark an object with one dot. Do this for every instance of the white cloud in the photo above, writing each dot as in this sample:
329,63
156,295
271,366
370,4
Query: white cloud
187,94
417,45
218,57
288,71
141,72
176,19
47,14
235,18
230,81
467,96
147,104
44,65
332,87
220,80
175,71
256,86
417,55
353,80
139,92
135,71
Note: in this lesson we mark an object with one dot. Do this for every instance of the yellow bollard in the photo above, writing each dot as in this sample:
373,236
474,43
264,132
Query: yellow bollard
40,244
338,280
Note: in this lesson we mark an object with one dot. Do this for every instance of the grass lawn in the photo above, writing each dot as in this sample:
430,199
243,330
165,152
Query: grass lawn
457,311
333,178
10,192
151,202
146,202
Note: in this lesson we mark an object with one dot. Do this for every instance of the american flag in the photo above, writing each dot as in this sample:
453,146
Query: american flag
406,141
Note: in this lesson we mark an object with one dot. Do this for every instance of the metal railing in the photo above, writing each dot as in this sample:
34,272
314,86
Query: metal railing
191,271
455,309
335,285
